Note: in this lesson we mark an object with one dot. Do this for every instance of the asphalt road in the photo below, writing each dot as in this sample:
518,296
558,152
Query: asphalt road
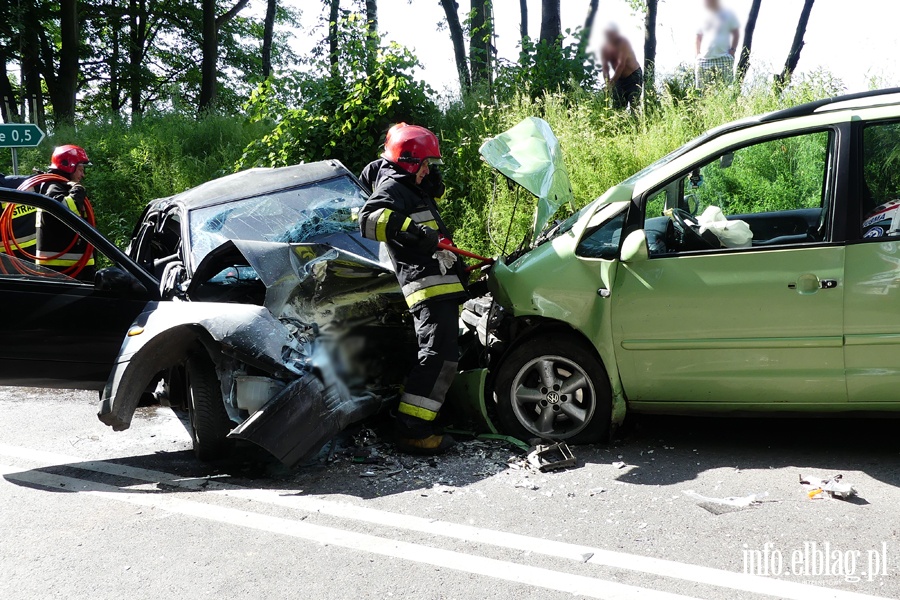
89,513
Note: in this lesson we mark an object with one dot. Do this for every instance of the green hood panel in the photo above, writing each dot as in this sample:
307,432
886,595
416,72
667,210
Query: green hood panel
530,155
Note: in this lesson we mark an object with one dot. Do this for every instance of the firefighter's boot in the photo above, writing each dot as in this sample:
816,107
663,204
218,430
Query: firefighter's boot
417,436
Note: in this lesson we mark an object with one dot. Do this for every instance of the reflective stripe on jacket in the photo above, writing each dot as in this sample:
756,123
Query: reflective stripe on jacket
23,224
395,209
54,236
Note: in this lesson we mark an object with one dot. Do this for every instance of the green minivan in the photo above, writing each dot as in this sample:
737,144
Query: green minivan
756,269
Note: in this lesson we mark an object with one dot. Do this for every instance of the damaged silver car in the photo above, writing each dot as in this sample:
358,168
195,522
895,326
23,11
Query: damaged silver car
279,323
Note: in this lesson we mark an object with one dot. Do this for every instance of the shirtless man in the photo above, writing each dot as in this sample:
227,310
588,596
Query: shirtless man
627,79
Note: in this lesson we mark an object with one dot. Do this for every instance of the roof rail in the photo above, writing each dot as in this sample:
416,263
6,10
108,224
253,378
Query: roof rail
811,107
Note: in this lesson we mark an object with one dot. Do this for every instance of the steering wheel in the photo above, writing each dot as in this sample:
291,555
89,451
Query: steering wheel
681,218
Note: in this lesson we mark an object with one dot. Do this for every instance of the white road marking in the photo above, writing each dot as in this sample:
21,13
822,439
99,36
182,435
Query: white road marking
446,559
789,590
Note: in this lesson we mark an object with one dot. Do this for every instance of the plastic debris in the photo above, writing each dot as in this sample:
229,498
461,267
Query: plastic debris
528,485
619,464
835,487
551,458
490,436
720,506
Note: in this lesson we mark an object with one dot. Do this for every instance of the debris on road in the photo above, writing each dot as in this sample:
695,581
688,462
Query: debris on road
365,451
489,437
720,506
528,485
551,458
619,464
834,487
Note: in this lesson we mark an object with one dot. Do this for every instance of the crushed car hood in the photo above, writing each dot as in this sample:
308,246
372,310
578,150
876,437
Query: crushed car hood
331,280
530,155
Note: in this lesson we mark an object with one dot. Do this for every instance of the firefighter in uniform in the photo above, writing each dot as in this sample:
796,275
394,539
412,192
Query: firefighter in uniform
53,237
403,215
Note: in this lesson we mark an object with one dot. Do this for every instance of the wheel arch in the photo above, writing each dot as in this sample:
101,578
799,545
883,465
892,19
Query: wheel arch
528,328
167,332
130,378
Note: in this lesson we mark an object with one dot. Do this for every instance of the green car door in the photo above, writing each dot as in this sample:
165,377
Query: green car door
745,312
872,302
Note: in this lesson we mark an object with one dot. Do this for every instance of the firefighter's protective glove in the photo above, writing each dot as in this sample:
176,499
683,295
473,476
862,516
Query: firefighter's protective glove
446,260
428,240
417,238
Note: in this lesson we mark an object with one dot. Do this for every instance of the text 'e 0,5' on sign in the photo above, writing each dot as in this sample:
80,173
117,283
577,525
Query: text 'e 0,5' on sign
20,135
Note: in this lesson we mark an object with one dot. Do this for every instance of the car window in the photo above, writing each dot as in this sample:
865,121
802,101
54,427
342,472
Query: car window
771,193
604,242
292,216
35,246
880,186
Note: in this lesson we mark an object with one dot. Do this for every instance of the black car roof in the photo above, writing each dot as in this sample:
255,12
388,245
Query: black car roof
254,182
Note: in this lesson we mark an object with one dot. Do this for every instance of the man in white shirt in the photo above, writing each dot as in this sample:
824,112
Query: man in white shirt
717,42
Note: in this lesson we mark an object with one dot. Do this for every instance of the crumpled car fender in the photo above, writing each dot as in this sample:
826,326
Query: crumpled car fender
163,335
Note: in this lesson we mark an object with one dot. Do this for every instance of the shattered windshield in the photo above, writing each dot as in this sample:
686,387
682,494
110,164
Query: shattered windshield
293,216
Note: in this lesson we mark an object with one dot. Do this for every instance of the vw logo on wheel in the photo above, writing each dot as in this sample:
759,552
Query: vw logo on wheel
553,397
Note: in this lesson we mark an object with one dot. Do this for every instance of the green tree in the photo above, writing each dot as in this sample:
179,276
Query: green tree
319,116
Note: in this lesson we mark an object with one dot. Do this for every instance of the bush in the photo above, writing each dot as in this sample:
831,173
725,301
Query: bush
344,114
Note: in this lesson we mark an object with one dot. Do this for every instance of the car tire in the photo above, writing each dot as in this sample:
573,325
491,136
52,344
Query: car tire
209,421
579,412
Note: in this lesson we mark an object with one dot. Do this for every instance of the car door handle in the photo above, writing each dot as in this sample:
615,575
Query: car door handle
810,284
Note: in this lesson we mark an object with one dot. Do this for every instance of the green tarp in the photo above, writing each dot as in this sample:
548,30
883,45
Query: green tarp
529,154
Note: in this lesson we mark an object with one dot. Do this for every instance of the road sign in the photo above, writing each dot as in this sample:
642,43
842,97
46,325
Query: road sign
20,135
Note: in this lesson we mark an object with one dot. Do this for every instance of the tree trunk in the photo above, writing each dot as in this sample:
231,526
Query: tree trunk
588,27
551,25
333,17
33,99
480,41
268,33
137,17
114,92
371,35
793,58
372,16
8,102
209,64
523,24
749,28
451,10
650,44
209,67
67,78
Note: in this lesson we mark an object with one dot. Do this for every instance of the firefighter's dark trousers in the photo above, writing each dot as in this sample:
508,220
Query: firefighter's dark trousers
437,330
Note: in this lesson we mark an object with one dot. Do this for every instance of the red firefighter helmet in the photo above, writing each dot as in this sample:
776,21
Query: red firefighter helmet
67,158
408,145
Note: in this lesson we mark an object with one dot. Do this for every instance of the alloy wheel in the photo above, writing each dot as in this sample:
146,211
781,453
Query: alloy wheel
553,397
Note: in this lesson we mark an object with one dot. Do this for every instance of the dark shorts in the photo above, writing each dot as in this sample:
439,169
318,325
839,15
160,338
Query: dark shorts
628,90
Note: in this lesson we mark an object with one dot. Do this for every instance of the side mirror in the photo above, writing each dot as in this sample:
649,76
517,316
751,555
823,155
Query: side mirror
635,248
114,279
